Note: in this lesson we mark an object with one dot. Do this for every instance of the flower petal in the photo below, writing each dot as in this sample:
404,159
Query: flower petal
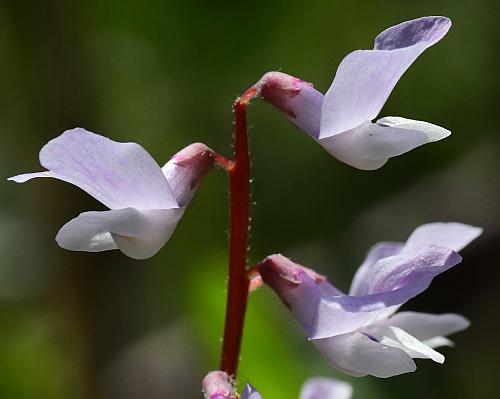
337,315
428,30
358,355
138,234
454,236
370,145
398,338
28,176
423,242
365,78
425,326
119,175
325,388
250,393
379,251
391,282
436,342
417,266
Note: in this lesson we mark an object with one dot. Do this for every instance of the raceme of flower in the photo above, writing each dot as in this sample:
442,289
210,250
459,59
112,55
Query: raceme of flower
145,201
361,333
341,120
219,385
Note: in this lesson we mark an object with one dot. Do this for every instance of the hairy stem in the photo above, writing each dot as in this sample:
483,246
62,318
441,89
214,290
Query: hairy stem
238,282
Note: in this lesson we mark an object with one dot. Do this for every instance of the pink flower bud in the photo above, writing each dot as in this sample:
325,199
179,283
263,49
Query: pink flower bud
219,385
185,170
284,276
297,99
299,287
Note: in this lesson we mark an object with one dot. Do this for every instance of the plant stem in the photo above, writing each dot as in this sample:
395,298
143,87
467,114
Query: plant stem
238,282
223,162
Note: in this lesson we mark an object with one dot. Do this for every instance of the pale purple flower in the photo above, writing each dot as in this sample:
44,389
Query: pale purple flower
145,201
218,385
325,388
250,393
341,120
361,333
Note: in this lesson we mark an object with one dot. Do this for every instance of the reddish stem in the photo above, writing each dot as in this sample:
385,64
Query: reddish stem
238,282
224,162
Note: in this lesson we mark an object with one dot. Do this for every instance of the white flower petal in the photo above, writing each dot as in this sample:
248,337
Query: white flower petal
138,234
398,338
437,342
432,132
426,326
28,176
358,355
370,145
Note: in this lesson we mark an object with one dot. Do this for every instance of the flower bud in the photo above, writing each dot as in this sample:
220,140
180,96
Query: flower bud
283,275
299,287
185,170
297,99
219,385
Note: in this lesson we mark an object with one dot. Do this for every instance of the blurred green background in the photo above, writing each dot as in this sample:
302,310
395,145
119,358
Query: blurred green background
164,74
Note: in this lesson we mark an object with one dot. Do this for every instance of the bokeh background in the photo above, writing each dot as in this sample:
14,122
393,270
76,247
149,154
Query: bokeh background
164,74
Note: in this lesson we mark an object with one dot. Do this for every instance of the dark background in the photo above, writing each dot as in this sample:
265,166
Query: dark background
164,74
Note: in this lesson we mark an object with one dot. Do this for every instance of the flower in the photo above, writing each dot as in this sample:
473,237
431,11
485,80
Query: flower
341,120
218,385
361,333
145,201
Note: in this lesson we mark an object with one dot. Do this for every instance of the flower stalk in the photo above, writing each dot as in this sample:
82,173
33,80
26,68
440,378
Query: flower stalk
238,282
